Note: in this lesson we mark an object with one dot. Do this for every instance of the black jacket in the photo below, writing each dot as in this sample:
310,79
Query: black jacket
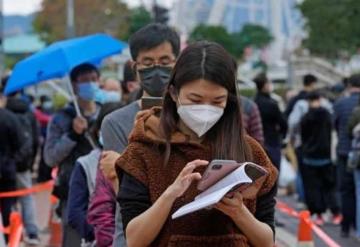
316,127
273,121
10,143
30,127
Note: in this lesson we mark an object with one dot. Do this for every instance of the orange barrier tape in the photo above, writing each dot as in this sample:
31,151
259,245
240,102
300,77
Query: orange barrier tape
23,192
283,207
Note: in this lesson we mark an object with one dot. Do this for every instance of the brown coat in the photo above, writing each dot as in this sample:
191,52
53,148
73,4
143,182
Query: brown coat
143,159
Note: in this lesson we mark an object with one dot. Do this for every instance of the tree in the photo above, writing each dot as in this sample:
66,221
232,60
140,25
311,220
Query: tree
216,34
250,35
110,16
332,26
139,17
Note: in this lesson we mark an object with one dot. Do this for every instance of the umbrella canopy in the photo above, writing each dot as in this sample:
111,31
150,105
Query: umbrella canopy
58,59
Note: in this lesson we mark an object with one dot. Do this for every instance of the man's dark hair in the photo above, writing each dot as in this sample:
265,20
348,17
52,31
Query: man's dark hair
81,69
312,96
151,36
128,75
354,80
309,79
260,81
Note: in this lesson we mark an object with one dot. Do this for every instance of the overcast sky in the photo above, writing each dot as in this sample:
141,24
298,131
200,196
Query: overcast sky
24,7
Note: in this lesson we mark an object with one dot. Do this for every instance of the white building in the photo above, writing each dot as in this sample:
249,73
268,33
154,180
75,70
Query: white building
280,16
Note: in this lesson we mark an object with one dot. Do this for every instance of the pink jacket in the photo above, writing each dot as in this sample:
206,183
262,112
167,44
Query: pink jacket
101,212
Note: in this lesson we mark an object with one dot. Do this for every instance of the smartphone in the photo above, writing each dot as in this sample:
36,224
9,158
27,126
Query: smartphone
150,102
215,171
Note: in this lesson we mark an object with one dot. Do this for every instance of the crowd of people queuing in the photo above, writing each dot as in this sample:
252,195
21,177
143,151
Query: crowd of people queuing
123,170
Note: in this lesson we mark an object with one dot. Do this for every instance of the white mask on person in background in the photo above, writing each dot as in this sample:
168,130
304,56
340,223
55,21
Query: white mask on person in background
200,118
102,96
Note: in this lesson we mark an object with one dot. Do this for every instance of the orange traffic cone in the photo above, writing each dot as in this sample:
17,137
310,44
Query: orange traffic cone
16,229
305,238
54,224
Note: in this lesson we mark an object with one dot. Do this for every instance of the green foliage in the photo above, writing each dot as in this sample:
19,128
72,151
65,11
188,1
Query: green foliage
110,16
216,34
250,35
139,17
333,26
247,92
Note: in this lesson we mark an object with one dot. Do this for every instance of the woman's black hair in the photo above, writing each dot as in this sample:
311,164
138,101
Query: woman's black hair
208,61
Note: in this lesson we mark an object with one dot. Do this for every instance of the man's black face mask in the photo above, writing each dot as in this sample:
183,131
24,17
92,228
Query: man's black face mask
154,79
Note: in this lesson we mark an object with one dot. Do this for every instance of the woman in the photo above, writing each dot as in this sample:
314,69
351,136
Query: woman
169,150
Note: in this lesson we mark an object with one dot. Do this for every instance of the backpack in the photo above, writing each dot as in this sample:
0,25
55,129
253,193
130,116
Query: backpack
26,155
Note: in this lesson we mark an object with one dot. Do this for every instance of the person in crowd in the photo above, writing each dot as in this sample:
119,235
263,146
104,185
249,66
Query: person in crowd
157,170
300,108
252,119
10,146
343,109
19,105
318,173
102,209
309,85
354,159
130,85
43,115
82,182
154,49
110,91
68,138
273,121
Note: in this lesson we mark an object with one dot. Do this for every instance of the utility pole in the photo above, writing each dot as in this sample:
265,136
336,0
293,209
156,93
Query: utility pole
70,19
154,5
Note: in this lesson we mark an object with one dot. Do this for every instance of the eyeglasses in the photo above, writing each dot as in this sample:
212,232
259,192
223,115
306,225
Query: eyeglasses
149,62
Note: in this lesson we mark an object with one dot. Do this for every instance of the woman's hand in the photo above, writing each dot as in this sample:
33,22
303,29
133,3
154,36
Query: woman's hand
232,206
185,178
107,164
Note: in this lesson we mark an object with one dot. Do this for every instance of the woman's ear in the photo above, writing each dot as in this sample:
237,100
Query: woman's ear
173,93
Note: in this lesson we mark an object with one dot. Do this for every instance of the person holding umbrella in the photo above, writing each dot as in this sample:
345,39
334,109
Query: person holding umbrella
68,137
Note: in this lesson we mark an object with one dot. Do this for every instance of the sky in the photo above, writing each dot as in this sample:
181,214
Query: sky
24,7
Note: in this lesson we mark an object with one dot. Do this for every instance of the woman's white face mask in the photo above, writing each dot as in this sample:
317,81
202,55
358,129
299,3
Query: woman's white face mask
200,118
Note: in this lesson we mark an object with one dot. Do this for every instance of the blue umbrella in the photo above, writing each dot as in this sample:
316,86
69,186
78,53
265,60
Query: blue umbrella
58,59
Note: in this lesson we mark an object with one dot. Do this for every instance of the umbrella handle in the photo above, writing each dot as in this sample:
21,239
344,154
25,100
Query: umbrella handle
73,96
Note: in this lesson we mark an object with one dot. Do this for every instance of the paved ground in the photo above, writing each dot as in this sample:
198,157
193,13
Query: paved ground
286,235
